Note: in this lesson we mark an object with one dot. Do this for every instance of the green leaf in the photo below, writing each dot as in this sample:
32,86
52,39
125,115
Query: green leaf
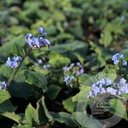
63,117
69,105
18,50
82,95
106,38
18,85
36,78
6,48
82,78
6,71
53,91
86,121
23,126
118,108
110,73
70,46
12,115
30,115
4,95
7,106
43,114
2,58
57,59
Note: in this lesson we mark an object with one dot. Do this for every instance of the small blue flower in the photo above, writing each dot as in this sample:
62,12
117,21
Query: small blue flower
67,79
4,85
28,39
96,91
122,81
124,88
71,65
39,61
16,58
79,72
66,69
90,94
36,43
28,35
8,62
111,90
42,31
46,66
102,90
46,42
124,63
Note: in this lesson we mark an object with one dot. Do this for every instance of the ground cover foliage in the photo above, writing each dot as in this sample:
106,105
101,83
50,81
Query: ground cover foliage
48,83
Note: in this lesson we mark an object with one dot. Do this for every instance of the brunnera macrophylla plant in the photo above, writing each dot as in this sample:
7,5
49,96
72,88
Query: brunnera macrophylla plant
33,44
13,64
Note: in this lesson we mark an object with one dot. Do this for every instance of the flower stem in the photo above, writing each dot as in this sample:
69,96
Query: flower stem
15,72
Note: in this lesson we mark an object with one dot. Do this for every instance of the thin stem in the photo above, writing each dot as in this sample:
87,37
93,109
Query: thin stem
15,72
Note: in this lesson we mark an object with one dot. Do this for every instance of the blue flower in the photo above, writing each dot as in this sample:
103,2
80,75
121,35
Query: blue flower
68,79
36,43
124,63
46,42
66,69
90,94
28,39
3,85
124,88
111,90
14,62
116,57
16,58
122,81
42,31
46,66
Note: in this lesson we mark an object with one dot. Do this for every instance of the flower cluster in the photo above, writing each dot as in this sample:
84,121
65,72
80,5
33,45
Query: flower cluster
105,85
3,85
37,42
46,66
118,58
42,31
39,62
13,63
68,80
72,72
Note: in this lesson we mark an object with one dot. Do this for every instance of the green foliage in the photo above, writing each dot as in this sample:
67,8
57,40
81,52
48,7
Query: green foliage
30,115
7,106
69,105
89,32
4,95
118,108
12,116
37,79
82,95
53,91
43,114
17,50
86,121
63,117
